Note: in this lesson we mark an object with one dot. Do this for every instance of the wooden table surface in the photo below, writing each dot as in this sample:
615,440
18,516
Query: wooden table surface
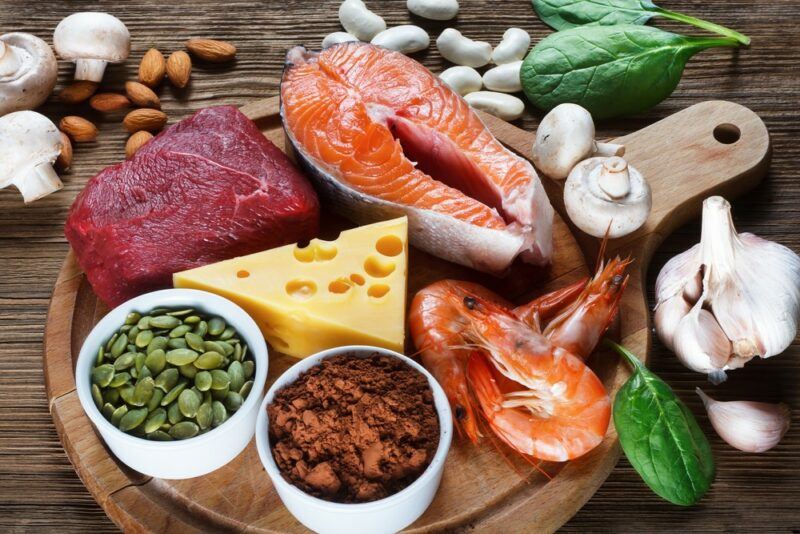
39,491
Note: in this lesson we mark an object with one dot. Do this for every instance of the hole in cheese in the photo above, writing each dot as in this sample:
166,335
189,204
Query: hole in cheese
339,286
315,251
378,268
389,245
301,289
242,274
378,290
357,278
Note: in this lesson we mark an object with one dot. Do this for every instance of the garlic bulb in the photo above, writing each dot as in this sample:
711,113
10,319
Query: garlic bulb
746,425
729,298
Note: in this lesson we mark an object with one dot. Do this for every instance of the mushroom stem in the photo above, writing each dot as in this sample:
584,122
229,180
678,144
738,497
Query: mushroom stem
9,62
614,179
608,149
40,181
90,69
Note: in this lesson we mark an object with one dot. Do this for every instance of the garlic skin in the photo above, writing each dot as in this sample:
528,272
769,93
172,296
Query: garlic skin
739,286
746,425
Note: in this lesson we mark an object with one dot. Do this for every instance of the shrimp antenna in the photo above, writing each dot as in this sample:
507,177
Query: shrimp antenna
603,245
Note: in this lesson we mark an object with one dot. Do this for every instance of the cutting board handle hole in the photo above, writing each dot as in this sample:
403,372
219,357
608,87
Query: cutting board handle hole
727,134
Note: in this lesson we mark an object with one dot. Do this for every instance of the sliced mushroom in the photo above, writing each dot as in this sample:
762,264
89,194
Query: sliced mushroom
28,72
92,40
606,194
29,144
566,137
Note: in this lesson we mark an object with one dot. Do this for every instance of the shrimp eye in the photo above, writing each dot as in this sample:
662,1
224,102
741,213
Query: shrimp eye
470,302
461,413
617,280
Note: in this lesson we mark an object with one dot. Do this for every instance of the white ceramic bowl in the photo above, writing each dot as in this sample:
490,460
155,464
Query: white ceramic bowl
383,516
195,456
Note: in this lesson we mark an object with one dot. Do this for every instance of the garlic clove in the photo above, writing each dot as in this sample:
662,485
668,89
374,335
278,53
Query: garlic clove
673,277
701,345
746,425
667,317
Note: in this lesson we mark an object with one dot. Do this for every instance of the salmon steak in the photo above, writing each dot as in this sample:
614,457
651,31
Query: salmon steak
382,136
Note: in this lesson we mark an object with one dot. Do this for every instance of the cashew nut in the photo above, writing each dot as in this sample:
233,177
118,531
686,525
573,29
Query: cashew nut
501,105
434,9
336,38
360,21
461,50
462,80
504,78
513,47
406,39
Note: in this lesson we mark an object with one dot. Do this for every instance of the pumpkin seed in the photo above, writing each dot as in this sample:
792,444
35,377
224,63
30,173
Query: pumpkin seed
246,388
107,410
102,375
125,328
181,356
167,379
233,401
130,347
205,416
184,430
167,322
143,391
195,342
132,419
138,361
192,319
227,348
202,380
155,420
144,323
237,352
219,412
177,343
219,394
110,342
156,361
133,332
189,402
119,345
173,393
124,361
155,400
249,367
219,379
216,326
119,380
236,375
158,342
145,372
180,331
143,338
209,360
126,392
99,359
227,333
111,395
244,352
212,346
201,329
117,415
159,435
132,318
188,370
181,313
174,414
97,396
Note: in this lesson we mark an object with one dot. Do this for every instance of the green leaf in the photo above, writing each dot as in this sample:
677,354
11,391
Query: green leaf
661,437
609,70
566,14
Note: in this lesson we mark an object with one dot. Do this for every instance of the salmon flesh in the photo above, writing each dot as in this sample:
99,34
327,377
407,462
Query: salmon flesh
383,137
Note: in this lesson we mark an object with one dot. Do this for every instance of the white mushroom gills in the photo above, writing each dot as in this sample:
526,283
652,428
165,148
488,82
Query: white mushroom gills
28,72
501,105
462,50
462,80
92,40
337,38
504,78
358,20
406,39
29,144
513,47
434,9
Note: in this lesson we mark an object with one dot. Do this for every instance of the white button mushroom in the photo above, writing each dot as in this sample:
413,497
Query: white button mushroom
434,9
28,72
358,20
462,80
566,136
406,39
501,105
513,47
337,38
29,144
461,50
92,40
606,193
504,78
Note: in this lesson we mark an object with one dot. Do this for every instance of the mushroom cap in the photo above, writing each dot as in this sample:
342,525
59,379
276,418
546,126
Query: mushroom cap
92,35
27,139
31,80
564,137
594,211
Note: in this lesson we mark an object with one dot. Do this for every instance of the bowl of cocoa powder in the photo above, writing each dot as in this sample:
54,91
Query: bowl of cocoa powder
355,439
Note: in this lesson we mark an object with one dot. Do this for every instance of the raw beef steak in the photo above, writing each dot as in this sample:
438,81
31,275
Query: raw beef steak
209,188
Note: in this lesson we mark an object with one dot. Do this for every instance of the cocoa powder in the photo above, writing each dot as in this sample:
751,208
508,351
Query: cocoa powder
354,429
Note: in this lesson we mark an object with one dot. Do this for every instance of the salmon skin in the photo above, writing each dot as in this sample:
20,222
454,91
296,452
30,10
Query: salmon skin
382,137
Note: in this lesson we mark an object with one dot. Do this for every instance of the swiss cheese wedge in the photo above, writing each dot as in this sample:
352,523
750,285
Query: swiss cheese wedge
351,291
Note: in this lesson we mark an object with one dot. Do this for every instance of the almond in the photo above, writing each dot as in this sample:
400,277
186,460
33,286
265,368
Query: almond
78,129
152,68
151,120
211,50
135,142
179,68
107,102
77,92
64,160
141,95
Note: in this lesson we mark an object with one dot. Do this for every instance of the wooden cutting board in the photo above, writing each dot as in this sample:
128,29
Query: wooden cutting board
714,147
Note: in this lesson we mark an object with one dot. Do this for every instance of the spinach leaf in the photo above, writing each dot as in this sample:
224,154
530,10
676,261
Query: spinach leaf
566,14
660,436
609,70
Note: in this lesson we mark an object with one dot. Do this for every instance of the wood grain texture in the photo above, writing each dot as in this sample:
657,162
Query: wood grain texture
40,490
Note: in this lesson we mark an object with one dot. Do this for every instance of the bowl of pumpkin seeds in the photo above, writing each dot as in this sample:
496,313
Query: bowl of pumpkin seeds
172,380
